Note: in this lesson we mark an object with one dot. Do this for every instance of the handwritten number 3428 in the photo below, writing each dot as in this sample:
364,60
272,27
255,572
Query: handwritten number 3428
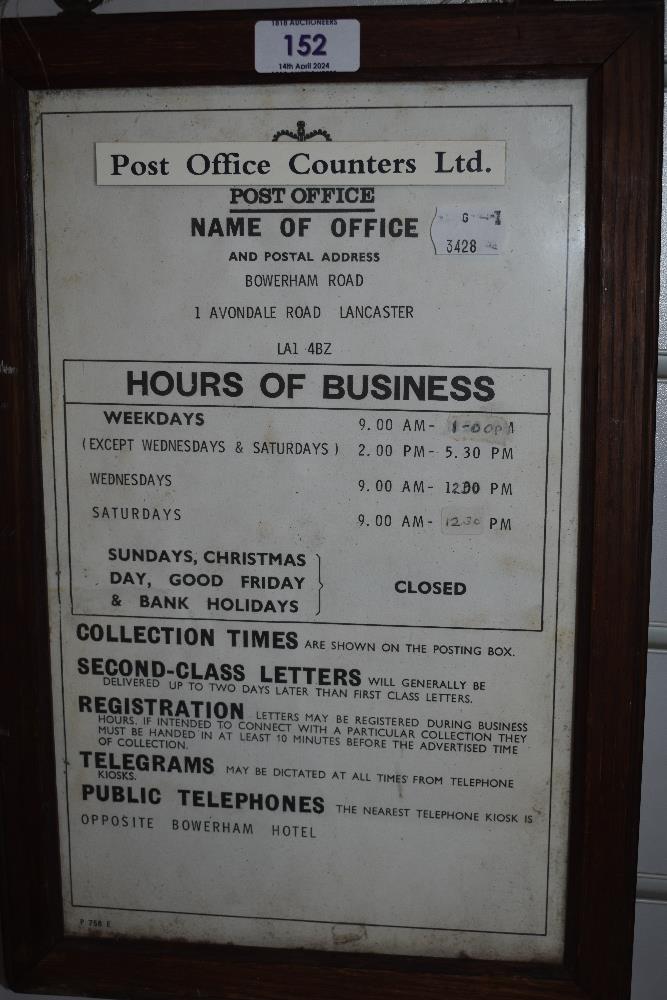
308,45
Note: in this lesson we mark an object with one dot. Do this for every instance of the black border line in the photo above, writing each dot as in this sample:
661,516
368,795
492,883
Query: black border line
332,409
560,526
516,107
324,107
305,920
55,508
69,517
311,364
294,621
546,501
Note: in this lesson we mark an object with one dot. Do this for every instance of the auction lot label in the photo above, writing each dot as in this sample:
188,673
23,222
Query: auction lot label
310,399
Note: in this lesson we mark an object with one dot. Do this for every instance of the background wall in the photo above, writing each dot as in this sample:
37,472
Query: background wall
650,960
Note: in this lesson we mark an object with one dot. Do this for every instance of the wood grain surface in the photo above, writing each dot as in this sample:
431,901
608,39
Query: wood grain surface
618,48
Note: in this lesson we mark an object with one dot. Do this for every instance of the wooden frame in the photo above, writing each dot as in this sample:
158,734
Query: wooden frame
617,47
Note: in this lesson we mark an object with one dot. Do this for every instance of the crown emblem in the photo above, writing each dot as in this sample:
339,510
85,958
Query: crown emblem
301,135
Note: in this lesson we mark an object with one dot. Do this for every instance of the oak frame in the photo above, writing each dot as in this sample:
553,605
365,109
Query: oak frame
617,47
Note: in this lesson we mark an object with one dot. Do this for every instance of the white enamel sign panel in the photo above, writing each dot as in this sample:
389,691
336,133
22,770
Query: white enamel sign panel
310,451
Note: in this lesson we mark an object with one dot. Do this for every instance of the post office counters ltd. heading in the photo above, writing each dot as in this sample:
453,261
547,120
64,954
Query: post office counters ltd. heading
228,163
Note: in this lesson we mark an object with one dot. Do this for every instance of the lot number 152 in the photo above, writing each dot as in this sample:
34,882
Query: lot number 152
307,45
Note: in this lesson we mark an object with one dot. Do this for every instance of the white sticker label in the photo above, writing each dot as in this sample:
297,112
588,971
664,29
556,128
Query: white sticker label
460,231
307,46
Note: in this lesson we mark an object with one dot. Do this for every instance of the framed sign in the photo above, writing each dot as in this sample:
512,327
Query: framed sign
327,366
